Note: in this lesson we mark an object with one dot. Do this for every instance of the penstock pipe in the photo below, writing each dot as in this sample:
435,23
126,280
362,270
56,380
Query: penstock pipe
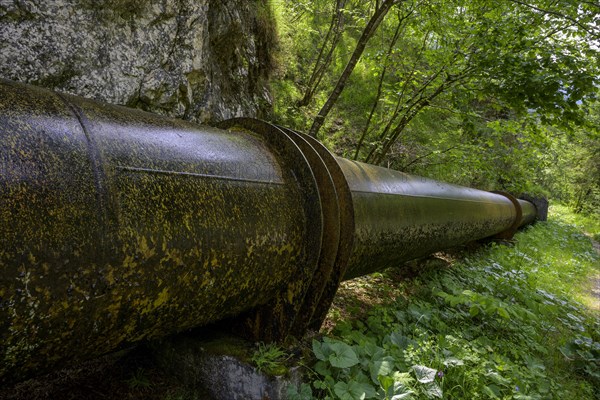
118,225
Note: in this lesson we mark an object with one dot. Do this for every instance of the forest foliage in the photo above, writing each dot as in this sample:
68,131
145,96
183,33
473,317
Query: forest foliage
504,322
496,95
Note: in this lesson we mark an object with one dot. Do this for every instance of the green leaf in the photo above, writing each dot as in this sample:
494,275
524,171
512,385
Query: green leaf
534,364
453,362
353,390
503,313
320,350
343,356
401,396
492,391
305,392
371,349
403,377
398,339
474,310
424,374
395,389
386,382
323,368
381,367
433,390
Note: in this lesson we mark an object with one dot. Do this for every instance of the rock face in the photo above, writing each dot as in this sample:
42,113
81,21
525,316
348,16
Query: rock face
200,60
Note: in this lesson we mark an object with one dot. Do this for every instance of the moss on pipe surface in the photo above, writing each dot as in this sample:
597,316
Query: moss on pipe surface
118,225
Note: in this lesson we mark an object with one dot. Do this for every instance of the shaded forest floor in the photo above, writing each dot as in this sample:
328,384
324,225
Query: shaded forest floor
131,375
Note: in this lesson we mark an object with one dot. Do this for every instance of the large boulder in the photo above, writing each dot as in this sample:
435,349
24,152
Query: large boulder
200,60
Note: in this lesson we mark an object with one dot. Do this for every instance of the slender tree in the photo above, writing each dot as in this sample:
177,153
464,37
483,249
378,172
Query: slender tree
326,51
381,11
382,76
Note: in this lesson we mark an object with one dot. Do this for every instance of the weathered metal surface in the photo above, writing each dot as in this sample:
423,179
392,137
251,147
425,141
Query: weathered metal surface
118,225
508,233
529,212
330,272
399,217
274,321
540,203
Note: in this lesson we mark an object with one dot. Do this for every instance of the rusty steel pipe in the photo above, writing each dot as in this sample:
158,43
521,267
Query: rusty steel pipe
118,225
529,212
400,217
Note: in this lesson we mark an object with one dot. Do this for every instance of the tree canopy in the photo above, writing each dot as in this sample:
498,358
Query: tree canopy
494,94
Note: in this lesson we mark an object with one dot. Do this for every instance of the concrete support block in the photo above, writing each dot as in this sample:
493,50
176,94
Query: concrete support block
220,367
541,204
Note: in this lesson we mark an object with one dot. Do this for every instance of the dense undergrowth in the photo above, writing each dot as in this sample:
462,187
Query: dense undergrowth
510,321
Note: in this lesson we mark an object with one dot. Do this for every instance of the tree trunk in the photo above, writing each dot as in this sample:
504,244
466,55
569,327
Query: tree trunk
379,87
323,61
370,29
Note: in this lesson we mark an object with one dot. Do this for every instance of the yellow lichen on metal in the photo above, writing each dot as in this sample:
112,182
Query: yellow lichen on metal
118,225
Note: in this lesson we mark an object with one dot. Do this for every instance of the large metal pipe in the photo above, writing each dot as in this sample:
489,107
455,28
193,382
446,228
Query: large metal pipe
401,217
528,212
118,225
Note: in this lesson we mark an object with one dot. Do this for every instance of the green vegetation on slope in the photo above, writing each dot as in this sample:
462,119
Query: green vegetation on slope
506,322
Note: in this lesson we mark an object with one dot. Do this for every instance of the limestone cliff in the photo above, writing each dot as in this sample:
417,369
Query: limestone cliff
201,60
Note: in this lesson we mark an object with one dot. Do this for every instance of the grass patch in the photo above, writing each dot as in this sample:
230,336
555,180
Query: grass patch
505,322
270,359
589,224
